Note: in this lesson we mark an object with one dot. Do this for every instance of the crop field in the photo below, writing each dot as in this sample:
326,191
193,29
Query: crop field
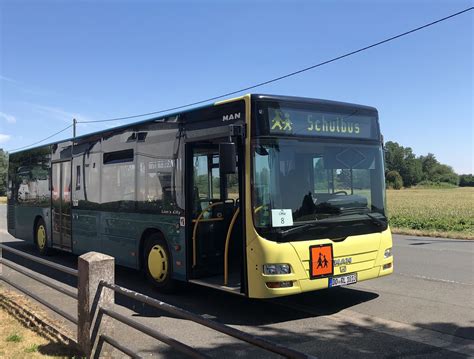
432,212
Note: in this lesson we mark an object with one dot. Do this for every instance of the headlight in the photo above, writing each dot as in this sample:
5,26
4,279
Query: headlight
388,253
276,269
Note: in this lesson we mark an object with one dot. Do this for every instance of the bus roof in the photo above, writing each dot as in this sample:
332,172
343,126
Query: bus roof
254,97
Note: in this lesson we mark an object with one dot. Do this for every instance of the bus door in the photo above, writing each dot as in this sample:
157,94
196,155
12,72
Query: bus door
215,234
61,205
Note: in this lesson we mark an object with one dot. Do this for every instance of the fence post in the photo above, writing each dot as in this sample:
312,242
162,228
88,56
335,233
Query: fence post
93,267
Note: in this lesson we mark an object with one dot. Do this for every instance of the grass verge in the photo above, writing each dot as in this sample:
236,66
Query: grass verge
22,337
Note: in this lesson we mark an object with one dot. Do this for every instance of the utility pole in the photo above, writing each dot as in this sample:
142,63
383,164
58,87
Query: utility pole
74,122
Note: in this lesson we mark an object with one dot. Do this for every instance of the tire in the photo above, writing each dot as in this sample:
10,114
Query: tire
157,264
41,238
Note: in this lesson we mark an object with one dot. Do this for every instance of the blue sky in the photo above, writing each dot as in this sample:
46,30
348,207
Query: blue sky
102,59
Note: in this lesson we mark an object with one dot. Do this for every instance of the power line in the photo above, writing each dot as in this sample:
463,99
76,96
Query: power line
44,139
261,83
287,75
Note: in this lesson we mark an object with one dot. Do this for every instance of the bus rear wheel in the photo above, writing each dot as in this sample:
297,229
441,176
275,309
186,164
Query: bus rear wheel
157,264
41,237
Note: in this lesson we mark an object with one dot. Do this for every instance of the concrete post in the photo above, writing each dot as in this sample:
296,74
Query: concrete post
93,267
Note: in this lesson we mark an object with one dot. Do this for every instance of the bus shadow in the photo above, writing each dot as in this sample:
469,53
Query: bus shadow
238,310
213,304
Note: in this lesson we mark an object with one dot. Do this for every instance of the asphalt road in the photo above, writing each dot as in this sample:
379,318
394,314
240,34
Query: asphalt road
425,309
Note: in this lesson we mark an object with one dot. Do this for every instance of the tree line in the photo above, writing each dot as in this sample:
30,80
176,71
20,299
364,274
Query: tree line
404,169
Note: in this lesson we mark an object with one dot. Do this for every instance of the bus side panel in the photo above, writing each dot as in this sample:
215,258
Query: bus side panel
121,233
25,220
85,231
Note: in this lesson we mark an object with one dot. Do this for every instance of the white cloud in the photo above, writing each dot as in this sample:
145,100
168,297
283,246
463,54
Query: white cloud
4,138
57,113
7,117
8,79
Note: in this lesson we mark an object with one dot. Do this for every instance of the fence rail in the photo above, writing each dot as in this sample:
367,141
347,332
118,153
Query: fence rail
111,341
42,261
41,300
36,277
95,295
259,342
178,346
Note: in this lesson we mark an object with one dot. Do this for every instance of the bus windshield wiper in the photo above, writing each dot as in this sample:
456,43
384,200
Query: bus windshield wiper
299,229
377,221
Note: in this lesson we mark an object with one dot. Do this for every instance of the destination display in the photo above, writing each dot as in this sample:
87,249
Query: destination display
291,121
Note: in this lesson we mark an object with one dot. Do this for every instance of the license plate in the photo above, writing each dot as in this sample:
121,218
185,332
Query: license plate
343,280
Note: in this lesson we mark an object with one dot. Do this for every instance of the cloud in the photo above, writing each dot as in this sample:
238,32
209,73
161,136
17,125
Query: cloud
4,138
56,113
8,79
7,117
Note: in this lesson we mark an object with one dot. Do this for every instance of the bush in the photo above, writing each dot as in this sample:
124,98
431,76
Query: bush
394,180
431,184
466,180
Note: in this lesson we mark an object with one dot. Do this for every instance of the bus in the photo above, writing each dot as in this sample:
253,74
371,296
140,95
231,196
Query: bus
260,195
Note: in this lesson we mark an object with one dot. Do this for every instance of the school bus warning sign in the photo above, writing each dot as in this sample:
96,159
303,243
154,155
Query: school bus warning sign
320,261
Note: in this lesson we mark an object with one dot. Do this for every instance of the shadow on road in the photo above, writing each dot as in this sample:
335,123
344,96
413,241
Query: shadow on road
268,318
221,306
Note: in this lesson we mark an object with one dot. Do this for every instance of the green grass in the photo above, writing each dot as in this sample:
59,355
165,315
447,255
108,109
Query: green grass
444,212
32,349
14,338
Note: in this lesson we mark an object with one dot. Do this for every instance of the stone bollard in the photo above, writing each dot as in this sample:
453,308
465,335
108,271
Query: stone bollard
93,267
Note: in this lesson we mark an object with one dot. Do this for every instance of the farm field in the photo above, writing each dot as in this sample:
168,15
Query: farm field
432,212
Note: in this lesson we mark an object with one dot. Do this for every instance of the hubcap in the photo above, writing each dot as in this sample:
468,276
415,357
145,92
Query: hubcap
41,236
158,263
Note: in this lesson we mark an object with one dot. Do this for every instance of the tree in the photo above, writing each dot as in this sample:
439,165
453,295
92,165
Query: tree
3,172
436,172
444,173
403,160
394,180
429,163
466,180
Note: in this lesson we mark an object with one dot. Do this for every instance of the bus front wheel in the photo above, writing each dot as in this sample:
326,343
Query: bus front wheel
157,264
41,237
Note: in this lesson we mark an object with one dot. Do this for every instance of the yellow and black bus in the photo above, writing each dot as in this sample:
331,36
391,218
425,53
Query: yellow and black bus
260,195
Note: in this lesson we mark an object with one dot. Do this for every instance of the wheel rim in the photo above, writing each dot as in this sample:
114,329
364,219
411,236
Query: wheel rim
158,263
41,236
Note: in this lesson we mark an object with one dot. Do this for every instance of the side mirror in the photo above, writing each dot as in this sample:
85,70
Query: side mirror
227,162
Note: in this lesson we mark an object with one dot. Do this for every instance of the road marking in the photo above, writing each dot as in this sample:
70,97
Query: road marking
433,279
397,329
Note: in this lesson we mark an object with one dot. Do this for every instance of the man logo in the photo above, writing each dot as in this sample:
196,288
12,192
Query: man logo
342,261
231,117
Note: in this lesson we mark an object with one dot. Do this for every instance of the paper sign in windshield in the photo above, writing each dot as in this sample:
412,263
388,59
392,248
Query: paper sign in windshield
282,217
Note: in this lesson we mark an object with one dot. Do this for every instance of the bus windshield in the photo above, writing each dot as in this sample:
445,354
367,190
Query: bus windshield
310,189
